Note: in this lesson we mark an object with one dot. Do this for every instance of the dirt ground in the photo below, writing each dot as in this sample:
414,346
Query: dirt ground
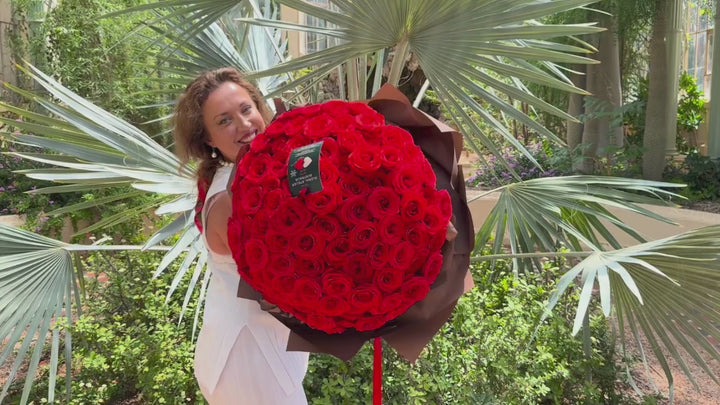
707,391
653,381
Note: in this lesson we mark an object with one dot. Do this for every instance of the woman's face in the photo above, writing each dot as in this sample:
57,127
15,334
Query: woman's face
231,120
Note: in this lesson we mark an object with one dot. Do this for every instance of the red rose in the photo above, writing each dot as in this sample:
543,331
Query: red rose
357,107
364,160
407,178
362,236
402,255
332,305
308,291
260,224
352,186
327,226
272,199
414,289
388,279
280,264
390,156
354,211
337,250
317,127
391,229
432,267
294,126
370,120
421,256
322,202
307,267
379,254
418,236
256,254
365,297
335,107
236,240
259,167
433,221
412,206
260,144
445,205
350,140
277,242
329,174
272,131
251,199
329,152
291,216
323,323
392,135
337,284
358,267
436,241
309,110
370,323
390,303
284,284
383,202
343,122
307,244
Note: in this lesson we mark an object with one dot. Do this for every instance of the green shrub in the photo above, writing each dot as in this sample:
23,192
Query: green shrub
485,354
700,173
128,346
94,57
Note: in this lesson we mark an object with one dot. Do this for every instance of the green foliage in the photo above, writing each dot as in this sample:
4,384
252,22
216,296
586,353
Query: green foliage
91,56
691,111
489,352
14,188
700,173
128,346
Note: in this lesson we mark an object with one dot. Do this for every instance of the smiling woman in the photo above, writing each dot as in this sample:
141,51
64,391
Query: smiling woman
231,119
240,356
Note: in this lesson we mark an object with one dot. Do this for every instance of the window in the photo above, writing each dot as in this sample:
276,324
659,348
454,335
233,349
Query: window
312,42
697,58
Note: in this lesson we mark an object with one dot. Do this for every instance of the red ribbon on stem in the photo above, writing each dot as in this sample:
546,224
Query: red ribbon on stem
377,371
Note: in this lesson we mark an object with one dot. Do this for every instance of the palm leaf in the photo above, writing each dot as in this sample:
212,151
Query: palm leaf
96,150
540,213
451,41
666,289
36,290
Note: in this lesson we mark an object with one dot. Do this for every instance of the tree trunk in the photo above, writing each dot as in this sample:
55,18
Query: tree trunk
661,113
603,129
714,116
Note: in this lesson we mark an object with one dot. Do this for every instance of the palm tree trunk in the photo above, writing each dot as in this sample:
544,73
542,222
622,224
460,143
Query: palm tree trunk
714,116
603,81
661,114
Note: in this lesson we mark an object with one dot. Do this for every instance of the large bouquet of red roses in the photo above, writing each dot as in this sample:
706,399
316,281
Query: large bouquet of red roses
356,252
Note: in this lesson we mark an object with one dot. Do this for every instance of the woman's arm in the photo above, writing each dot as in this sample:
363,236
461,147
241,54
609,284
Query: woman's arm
217,219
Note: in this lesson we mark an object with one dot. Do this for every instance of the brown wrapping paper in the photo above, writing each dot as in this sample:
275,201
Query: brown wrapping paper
409,333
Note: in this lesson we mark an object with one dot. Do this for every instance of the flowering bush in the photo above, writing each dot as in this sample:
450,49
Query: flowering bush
355,254
493,174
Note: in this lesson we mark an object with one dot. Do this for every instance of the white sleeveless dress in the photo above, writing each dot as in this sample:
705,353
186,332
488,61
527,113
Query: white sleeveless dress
240,357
